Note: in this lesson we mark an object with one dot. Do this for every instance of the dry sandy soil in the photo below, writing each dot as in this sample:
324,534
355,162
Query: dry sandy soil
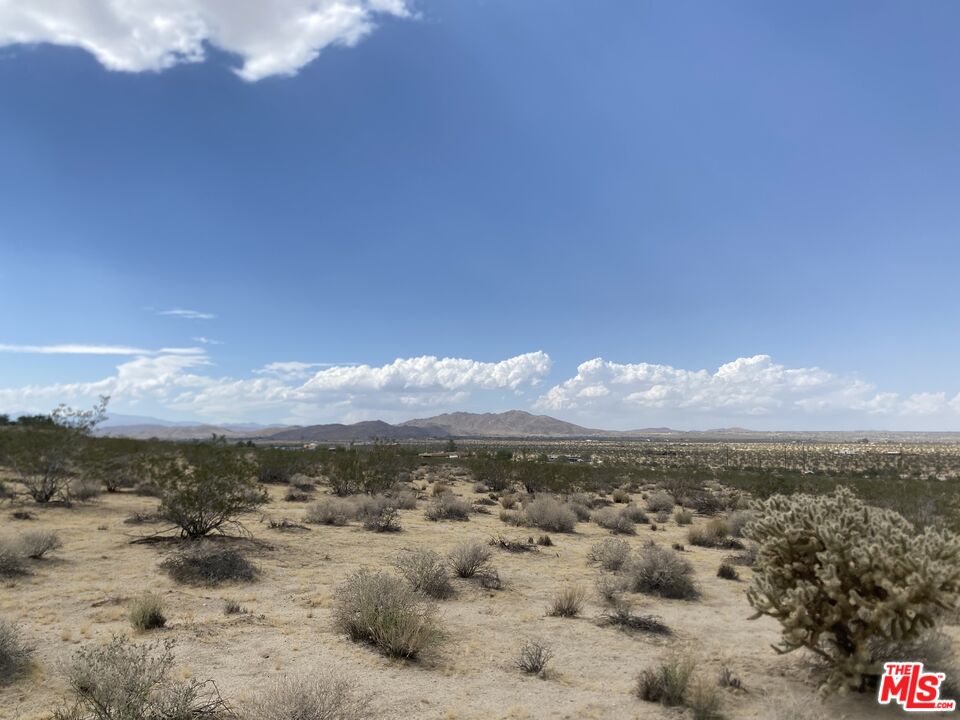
79,596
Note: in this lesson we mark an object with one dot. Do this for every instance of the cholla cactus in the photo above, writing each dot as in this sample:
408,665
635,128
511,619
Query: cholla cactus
839,575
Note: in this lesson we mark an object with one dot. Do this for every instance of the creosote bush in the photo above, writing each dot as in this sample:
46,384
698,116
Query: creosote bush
533,657
207,563
14,652
568,602
840,575
426,572
661,571
146,613
127,681
610,554
387,613
468,558
205,488
309,697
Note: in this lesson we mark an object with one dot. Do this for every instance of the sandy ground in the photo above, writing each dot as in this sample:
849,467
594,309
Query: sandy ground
79,596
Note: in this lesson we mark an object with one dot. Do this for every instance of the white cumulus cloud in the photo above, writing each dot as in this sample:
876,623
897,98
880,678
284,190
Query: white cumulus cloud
271,37
755,391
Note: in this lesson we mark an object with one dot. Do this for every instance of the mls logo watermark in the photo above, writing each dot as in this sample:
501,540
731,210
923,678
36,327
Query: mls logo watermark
913,689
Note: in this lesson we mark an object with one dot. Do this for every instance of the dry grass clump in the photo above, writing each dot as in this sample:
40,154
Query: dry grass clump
737,520
313,697
726,571
683,517
207,563
447,506
703,699
514,546
35,544
468,558
330,511
616,521
581,510
387,613
568,602
660,501
508,502
635,513
232,607
426,572
146,613
549,514
533,657
404,499
14,652
661,571
126,681
620,496
621,615
611,554
714,534
666,683
610,588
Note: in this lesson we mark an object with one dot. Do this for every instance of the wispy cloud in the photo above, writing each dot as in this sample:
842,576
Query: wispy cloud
187,314
83,349
206,341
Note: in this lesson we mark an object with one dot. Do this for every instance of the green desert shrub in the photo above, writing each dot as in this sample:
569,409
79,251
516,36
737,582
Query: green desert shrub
127,681
146,613
205,489
330,511
384,611
610,554
207,563
35,544
426,572
568,602
468,558
661,571
547,513
14,652
660,500
840,575
309,697
447,506
614,520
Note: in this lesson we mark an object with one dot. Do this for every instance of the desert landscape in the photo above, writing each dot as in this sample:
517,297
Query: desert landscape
553,552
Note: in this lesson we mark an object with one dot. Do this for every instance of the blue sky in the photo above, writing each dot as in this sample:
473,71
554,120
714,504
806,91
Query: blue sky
623,214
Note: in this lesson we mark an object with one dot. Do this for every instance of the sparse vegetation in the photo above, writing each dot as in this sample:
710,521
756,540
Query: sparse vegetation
533,657
14,652
12,558
468,558
660,501
426,572
309,697
661,571
126,681
386,612
568,602
727,571
35,544
666,683
447,506
330,511
610,554
549,514
146,613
